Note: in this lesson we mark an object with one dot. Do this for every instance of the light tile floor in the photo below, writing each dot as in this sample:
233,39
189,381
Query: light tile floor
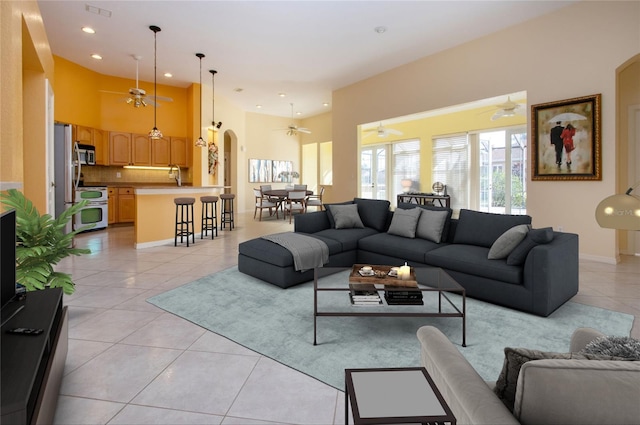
132,363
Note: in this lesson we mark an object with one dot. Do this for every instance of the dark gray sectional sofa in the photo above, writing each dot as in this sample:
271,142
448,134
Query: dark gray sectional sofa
537,276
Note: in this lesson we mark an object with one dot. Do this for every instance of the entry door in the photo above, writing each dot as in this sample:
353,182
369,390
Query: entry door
373,172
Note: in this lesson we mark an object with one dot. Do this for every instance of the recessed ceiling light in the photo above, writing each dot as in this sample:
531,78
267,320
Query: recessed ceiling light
168,74
259,106
325,104
88,30
96,56
282,94
238,89
380,29
298,113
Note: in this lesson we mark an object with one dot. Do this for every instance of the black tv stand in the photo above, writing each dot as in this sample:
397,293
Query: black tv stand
32,366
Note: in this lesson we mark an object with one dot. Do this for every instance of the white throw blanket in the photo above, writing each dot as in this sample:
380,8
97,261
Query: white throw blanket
308,252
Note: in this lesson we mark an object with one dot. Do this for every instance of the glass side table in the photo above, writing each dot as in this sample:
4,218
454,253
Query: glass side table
394,395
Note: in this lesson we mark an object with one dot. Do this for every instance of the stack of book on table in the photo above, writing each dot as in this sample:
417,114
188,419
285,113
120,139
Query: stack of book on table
364,294
397,295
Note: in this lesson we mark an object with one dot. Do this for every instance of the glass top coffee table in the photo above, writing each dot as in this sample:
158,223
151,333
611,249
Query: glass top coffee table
394,395
431,282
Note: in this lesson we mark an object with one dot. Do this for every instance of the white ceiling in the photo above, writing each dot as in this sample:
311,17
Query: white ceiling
305,49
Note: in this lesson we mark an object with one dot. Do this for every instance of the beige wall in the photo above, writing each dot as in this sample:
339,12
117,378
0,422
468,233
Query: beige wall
266,138
586,56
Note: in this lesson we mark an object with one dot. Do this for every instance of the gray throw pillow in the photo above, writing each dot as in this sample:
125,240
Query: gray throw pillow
404,223
514,358
346,216
506,243
431,225
533,238
332,222
617,346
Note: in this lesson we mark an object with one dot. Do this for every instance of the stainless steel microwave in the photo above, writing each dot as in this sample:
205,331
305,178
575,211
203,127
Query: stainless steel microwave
86,154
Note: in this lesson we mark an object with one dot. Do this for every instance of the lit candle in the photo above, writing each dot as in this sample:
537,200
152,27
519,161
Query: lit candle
405,272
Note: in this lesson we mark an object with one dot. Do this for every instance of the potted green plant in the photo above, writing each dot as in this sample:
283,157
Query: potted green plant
42,243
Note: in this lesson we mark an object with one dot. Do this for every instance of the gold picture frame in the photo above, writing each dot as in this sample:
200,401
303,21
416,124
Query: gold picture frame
566,139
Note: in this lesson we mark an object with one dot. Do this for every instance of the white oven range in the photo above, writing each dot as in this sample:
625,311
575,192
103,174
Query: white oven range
96,211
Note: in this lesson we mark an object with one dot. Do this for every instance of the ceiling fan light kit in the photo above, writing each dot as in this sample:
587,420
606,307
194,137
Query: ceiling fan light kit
155,134
293,129
200,142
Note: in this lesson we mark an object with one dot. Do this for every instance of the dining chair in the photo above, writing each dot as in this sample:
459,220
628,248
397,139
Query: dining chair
300,187
295,202
315,200
263,202
288,187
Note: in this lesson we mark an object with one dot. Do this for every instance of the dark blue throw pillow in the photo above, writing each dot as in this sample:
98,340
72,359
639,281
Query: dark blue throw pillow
533,238
373,212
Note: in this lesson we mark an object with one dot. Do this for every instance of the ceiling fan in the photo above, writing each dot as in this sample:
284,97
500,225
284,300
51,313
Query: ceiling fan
382,131
508,109
292,129
137,96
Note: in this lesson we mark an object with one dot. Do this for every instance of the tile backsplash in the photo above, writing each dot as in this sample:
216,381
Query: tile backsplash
102,174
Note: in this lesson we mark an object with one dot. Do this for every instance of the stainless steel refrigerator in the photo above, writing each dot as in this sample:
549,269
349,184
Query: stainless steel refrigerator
65,180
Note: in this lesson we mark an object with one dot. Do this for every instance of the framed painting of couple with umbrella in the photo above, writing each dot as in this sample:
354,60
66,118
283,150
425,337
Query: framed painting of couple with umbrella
566,139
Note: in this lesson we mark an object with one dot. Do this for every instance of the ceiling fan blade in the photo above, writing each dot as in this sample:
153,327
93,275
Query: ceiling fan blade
393,131
304,130
163,98
114,92
497,115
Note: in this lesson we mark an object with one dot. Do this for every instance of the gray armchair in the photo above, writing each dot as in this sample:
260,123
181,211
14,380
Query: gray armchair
550,391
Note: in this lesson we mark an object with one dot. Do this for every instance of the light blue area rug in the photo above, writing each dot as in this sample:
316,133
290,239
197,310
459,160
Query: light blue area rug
278,323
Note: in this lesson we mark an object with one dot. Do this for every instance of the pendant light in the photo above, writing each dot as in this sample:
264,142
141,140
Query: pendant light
155,134
214,124
200,142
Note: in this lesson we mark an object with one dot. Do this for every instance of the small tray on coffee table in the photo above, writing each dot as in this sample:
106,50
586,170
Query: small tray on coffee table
355,276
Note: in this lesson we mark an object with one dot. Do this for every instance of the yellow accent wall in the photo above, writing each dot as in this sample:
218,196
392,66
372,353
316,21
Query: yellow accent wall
81,98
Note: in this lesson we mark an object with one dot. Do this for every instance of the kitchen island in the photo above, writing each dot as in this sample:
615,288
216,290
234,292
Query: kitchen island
156,212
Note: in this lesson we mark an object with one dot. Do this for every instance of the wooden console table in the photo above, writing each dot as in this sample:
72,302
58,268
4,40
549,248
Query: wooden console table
425,199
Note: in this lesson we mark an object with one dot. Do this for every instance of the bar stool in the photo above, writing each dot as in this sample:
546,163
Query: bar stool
226,210
209,215
184,218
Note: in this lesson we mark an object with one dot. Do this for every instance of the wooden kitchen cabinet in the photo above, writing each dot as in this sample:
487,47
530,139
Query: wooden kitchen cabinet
180,151
126,205
119,148
161,152
140,149
83,134
100,143
112,205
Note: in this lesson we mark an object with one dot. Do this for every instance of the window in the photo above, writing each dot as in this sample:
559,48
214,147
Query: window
402,158
485,171
406,167
451,167
317,165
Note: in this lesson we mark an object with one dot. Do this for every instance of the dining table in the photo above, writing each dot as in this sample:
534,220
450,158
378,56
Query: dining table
282,194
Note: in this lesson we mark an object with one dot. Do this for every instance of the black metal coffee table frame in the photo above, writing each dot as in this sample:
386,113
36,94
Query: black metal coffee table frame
424,277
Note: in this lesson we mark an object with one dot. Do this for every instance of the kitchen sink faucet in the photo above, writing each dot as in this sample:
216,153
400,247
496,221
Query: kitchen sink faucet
178,176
